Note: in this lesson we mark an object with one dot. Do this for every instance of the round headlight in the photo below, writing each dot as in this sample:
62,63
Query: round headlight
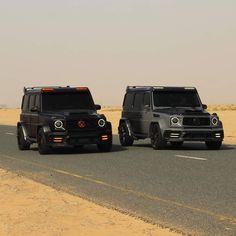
215,121
101,123
176,121
58,124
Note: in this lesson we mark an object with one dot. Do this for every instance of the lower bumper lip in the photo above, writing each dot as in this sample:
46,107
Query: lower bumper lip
66,139
193,135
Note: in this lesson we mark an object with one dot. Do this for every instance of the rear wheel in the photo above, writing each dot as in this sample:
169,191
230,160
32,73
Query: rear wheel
22,143
43,147
125,138
213,145
157,140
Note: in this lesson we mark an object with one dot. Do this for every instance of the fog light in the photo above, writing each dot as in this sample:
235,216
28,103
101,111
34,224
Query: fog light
218,135
174,135
104,137
58,140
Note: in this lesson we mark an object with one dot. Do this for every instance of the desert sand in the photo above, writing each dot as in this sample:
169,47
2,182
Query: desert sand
30,208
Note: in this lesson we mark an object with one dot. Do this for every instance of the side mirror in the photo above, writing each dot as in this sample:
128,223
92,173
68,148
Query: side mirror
98,107
204,106
34,109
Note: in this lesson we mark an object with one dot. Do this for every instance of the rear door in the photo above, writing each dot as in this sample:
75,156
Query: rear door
34,116
137,113
128,106
146,113
24,117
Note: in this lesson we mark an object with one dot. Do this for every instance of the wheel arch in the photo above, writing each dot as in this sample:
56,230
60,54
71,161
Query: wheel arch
22,125
127,122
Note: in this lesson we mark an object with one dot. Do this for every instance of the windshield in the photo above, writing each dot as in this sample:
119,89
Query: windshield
176,99
67,101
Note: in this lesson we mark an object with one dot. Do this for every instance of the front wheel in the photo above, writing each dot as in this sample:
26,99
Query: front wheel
22,143
157,140
213,145
125,138
43,147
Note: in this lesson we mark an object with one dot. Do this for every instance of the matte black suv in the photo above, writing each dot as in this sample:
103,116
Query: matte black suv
168,114
61,117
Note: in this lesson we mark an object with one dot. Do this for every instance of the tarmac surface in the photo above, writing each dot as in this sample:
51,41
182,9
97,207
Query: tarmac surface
190,189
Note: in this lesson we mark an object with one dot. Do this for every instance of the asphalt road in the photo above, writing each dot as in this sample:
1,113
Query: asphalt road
191,190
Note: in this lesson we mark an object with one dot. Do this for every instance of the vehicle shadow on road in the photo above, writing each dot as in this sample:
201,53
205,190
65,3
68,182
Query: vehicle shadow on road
188,146
87,149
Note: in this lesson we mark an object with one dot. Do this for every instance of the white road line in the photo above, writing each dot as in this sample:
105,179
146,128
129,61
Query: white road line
10,133
194,158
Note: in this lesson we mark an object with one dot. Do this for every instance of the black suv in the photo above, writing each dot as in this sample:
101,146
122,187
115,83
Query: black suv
168,114
57,117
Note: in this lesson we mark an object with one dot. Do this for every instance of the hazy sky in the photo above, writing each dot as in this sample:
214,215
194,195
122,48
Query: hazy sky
109,44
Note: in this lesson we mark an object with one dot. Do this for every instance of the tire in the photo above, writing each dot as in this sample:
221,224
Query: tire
176,144
22,143
125,138
104,147
213,145
43,147
157,140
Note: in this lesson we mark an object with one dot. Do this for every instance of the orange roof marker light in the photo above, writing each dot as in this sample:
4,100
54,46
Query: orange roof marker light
82,88
48,90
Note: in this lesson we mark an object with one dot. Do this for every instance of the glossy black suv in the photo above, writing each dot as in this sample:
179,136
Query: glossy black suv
55,117
168,114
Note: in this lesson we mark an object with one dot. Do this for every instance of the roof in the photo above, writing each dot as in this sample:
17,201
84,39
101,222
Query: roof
152,88
46,89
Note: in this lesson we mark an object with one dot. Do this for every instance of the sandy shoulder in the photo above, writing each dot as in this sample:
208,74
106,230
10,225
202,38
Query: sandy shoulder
30,208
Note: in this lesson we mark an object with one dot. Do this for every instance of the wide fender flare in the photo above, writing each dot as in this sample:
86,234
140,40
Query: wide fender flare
160,123
128,124
22,125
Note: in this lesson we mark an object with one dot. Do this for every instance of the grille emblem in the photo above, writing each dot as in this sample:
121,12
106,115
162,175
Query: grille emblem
196,121
81,124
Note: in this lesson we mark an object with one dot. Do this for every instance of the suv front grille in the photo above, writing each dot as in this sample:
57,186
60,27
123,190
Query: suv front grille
196,121
73,125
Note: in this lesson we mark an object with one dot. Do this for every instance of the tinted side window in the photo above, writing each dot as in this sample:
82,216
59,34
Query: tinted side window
146,99
128,102
138,101
37,101
25,103
31,101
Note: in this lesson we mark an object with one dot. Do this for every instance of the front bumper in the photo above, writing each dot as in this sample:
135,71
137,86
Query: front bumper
73,139
180,135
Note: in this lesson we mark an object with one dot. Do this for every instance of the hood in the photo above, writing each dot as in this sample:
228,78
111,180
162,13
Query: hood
72,113
186,111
